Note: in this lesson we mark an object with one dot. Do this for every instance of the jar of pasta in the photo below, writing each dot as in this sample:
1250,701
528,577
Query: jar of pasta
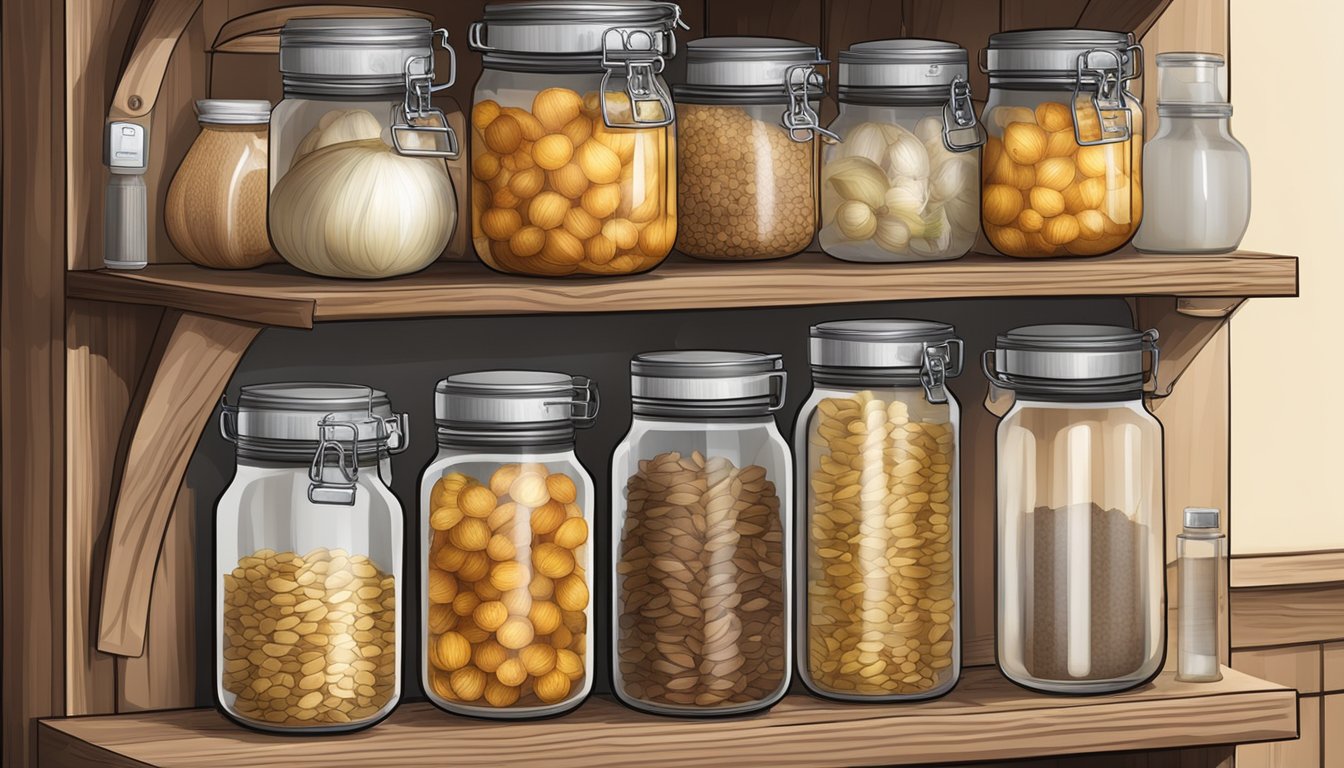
746,159
506,515
1063,164
572,161
877,446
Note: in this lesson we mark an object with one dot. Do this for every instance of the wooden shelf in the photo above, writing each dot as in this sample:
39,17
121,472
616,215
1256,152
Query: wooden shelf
985,718
279,295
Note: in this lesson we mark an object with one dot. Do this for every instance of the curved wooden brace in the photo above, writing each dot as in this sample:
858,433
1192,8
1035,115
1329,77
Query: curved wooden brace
1184,327
140,83
259,32
193,358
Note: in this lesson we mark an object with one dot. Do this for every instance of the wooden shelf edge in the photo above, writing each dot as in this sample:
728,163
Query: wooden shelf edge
985,718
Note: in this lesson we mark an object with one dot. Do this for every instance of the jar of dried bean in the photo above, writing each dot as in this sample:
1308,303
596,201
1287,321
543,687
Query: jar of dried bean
308,556
905,184
747,119
506,514
572,157
877,445
1063,163
1081,603
700,506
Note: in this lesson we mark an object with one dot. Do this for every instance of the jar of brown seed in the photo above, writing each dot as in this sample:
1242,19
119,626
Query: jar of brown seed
877,446
700,501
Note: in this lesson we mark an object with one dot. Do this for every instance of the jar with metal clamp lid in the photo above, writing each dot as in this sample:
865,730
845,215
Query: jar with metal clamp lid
309,556
506,517
877,445
1063,164
572,156
746,115
905,184
359,183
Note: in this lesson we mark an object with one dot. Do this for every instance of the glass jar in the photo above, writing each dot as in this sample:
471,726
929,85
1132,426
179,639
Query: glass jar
700,502
215,212
505,514
747,120
1081,589
572,156
904,185
308,547
1063,164
359,183
877,447
1200,174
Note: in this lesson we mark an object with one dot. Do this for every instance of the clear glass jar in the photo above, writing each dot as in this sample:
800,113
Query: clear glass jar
1201,577
567,177
1200,175
215,213
1081,573
877,446
506,511
308,548
1063,163
904,185
746,165
700,500
359,183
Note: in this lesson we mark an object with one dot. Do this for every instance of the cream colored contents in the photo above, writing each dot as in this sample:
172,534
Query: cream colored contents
557,192
881,564
350,206
1044,195
889,194
508,595
309,640
216,208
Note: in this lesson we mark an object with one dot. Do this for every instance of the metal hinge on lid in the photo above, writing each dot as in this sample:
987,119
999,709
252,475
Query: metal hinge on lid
420,129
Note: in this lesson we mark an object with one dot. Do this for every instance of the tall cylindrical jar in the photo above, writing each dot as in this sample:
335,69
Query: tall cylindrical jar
572,156
215,213
747,120
506,511
877,445
905,184
1201,578
701,488
359,179
1081,586
308,548
1063,164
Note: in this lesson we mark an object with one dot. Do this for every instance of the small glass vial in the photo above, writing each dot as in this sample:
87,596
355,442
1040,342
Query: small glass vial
1201,555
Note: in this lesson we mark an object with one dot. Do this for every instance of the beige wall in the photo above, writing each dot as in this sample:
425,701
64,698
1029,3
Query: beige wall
1287,364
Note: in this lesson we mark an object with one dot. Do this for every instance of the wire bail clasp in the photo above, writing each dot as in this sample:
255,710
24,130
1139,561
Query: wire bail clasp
639,62
799,79
938,365
1115,120
420,129
322,489
959,117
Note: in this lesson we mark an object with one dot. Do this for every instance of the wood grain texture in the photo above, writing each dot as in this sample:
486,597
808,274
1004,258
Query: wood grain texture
144,75
979,520
1185,25
1287,615
1332,658
1034,14
794,19
194,357
1332,731
1297,666
1286,569
985,718
1302,752
281,295
32,371
1135,16
1182,336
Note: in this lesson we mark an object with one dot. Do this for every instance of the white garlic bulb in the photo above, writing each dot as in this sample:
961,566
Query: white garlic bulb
955,173
868,142
857,178
892,233
929,129
855,220
907,157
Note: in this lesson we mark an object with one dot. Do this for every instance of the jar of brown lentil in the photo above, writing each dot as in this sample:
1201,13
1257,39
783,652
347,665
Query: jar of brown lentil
746,123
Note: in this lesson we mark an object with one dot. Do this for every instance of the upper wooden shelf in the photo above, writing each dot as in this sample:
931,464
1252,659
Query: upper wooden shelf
985,718
282,296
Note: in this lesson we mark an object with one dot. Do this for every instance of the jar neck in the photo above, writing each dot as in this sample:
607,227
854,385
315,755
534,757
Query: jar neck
558,440
259,128
688,418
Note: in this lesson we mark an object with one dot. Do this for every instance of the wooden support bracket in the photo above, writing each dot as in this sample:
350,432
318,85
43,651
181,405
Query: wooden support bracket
1184,326
192,360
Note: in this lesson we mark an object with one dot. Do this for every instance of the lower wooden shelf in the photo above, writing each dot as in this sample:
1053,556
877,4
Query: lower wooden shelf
985,718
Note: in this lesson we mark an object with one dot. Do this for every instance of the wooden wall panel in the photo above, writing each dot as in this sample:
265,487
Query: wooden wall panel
1186,25
1303,752
1286,616
1333,673
1332,728
1297,666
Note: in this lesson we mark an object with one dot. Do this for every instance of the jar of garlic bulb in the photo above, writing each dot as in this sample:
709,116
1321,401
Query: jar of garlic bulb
903,185
572,158
358,173
1063,163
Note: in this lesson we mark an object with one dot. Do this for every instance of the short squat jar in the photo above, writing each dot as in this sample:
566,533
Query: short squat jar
877,446
308,556
1063,164
747,124
1081,589
905,184
506,512
700,496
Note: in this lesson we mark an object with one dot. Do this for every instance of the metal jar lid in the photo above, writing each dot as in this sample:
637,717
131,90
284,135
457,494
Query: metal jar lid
233,112
559,34
1065,360
512,407
903,63
876,352
707,383
1061,53
1201,518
